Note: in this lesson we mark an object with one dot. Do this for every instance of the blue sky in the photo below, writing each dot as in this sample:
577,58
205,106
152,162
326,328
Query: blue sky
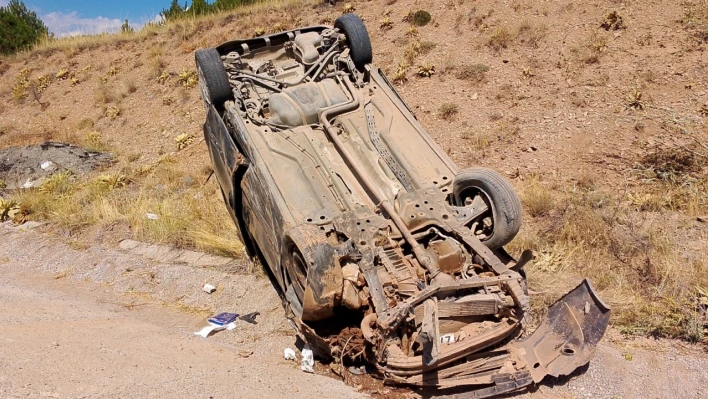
67,17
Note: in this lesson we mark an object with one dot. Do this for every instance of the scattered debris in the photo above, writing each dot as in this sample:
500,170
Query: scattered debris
222,321
208,288
308,360
28,166
357,370
250,318
289,354
152,216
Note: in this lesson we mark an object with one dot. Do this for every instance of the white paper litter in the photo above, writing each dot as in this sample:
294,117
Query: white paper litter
204,332
152,216
308,360
48,165
289,354
208,288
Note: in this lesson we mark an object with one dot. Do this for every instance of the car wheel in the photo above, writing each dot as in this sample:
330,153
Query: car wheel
502,221
358,37
295,272
212,77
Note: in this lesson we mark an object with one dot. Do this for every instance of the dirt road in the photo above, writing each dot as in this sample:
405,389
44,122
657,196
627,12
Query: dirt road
104,322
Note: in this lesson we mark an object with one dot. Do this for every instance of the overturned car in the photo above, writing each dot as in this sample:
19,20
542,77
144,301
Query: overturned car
375,237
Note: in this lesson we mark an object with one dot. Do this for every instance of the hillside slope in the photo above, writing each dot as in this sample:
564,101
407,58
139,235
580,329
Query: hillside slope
595,110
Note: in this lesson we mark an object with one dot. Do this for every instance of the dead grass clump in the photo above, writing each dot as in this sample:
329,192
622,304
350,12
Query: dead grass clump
613,21
531,34
669,164
386,23
400,76
348,8
500,38
184,140
448,110
537,199
594,48
473,73
426,47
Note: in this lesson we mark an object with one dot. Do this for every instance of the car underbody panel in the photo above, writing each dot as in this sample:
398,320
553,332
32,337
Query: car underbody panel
386,253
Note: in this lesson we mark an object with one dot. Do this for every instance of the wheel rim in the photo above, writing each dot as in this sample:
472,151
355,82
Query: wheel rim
477,225
296,271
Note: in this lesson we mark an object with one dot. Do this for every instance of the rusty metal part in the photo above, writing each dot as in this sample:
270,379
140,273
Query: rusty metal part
430,333
568,337
400,173
448,254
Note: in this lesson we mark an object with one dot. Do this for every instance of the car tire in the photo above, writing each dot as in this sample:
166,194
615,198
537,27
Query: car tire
213,79
358,37
500,197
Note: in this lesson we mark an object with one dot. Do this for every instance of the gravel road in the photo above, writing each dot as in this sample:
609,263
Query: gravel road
105,322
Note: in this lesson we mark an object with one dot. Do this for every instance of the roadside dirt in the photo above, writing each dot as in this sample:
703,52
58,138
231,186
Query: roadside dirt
121,325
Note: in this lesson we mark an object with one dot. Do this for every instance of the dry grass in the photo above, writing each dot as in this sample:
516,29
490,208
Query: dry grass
448,110
500,38
473,73
537,200
191,215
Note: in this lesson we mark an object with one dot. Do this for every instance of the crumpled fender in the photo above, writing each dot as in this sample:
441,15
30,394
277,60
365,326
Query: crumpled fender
568,337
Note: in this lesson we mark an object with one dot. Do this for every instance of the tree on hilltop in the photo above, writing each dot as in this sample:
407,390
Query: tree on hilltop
20,28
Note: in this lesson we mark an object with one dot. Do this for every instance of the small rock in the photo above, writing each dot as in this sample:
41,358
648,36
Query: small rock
245,353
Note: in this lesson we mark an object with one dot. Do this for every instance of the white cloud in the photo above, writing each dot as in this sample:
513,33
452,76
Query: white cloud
70,24
3,3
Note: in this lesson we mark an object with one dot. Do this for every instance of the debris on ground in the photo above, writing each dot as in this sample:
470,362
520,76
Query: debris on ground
289,354
222,321
250,318
28,166
208,288
152,216
308,360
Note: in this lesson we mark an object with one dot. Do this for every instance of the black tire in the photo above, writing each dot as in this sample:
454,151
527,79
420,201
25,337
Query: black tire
213,79
500,196
358,37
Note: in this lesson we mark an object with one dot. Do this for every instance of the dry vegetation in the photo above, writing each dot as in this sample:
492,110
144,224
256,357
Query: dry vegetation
596,114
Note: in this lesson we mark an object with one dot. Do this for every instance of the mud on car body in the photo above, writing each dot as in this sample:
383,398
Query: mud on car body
385,251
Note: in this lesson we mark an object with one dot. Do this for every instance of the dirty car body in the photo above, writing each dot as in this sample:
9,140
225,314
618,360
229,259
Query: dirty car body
385,251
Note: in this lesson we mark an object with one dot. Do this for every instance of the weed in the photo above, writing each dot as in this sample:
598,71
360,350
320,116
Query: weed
386,23
62,74
188,78
448,110
93,141
348,8
112,112
627,356
613,21
110,182
113,70
596,45
634,99
58,183
156,67
426,70
163,77
22,83
8,209
134,157
500,38
474,73
412,51
259,31
401,72
478,141
421,18
168,100
412,31
183,140
42,83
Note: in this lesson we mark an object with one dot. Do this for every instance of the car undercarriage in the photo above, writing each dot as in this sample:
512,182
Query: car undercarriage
386,253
